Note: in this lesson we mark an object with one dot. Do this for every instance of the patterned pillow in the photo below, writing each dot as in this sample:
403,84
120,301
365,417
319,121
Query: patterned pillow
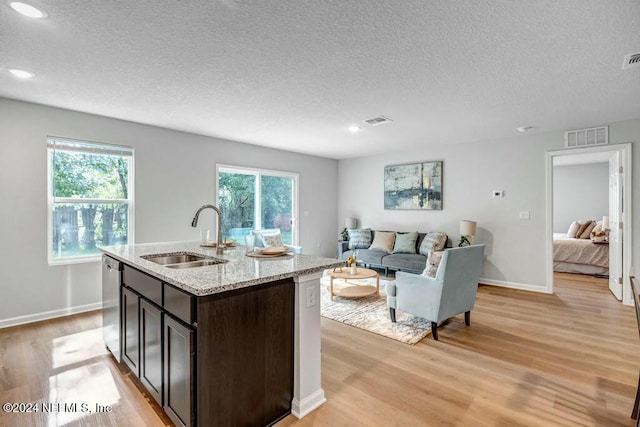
405,243
383,240
268,238
272,240
433,261
585,230
598,234
359,238
433,242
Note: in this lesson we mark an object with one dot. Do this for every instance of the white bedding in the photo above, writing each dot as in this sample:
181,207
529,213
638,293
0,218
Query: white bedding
579,255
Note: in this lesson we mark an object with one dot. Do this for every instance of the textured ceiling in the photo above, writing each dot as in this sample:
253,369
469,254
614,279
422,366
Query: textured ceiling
295,74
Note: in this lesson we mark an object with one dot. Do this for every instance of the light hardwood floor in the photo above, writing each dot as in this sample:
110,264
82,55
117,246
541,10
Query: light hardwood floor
571,358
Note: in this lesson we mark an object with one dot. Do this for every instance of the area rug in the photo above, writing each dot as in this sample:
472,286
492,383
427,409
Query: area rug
372,314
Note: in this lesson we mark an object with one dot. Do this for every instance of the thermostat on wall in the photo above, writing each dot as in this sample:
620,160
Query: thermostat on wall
498,193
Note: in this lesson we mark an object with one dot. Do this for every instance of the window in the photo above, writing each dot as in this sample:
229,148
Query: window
253,199
90,198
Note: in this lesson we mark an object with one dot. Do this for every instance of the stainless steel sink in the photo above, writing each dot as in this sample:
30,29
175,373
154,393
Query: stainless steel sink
163,259
183,260
202,263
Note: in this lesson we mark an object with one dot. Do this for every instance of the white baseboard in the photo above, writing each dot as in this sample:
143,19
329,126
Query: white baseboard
20,320
301,408
514,285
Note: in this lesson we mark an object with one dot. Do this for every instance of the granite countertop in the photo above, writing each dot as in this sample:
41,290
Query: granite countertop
239,272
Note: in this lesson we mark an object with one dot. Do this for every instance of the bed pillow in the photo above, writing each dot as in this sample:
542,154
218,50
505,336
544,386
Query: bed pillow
598,235
359,238
405,243
383,241
573,229
585,230
433,242
433,261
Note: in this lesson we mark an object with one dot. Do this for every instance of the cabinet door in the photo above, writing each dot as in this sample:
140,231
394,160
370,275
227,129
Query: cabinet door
178,372
131,333
151,349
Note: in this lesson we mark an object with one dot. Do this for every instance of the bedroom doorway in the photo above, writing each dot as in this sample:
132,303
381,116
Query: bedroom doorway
608,169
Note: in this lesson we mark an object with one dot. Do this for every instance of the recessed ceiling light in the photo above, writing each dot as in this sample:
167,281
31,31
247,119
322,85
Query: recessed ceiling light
524,129
354,128
21,74
28,10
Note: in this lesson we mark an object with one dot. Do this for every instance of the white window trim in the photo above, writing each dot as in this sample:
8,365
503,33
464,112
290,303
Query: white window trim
50,202
258,208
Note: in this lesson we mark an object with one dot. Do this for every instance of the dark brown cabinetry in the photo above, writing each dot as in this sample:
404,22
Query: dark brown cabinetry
130,333
151,349
225,359
178,372
245,355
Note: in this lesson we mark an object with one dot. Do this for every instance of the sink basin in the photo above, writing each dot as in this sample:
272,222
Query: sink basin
183,260
193,264
173,258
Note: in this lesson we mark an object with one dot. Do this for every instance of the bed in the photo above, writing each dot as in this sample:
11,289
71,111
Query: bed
571,255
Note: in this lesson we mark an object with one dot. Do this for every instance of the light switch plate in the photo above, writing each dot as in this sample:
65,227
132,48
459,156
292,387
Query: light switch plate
498,193
524,214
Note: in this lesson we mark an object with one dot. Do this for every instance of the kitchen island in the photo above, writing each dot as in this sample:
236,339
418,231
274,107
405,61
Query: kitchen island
236,342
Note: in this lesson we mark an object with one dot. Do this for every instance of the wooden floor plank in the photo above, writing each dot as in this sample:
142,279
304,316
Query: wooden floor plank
528,359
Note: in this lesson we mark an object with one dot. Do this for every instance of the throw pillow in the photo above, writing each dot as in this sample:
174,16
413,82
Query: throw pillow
359,238
573,229
598,235
433,242
383,241
433,262
272,240
405,243
585,230
274,237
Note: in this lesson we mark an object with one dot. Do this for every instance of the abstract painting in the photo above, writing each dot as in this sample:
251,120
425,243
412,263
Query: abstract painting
413,186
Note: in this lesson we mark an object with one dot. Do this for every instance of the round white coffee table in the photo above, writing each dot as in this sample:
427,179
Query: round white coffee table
349,289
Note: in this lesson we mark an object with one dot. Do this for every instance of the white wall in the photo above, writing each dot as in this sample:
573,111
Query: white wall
174,175
515,249
580,192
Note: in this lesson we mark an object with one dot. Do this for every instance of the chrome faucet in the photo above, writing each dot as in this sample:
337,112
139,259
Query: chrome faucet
194,223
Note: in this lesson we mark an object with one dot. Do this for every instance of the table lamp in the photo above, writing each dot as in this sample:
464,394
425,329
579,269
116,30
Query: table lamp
351,222
467,231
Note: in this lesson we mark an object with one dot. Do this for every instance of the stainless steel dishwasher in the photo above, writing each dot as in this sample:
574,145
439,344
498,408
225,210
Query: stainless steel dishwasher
111,323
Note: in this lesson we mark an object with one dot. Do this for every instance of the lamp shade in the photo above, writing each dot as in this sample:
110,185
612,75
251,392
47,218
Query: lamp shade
351,222
605,222
468,228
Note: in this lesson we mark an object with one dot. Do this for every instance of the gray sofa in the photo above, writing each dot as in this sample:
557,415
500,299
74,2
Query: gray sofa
414,263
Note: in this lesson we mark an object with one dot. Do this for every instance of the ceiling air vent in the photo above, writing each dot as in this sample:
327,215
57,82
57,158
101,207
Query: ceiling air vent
587,137
377,121
631,60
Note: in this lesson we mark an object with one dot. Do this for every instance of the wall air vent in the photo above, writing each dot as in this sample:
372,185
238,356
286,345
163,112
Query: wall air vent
377,121
631,60
586,137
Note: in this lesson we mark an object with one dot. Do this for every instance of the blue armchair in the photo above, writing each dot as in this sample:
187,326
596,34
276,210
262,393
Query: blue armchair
451,292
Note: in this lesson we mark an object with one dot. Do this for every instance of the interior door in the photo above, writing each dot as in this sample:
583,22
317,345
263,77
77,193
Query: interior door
615,218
